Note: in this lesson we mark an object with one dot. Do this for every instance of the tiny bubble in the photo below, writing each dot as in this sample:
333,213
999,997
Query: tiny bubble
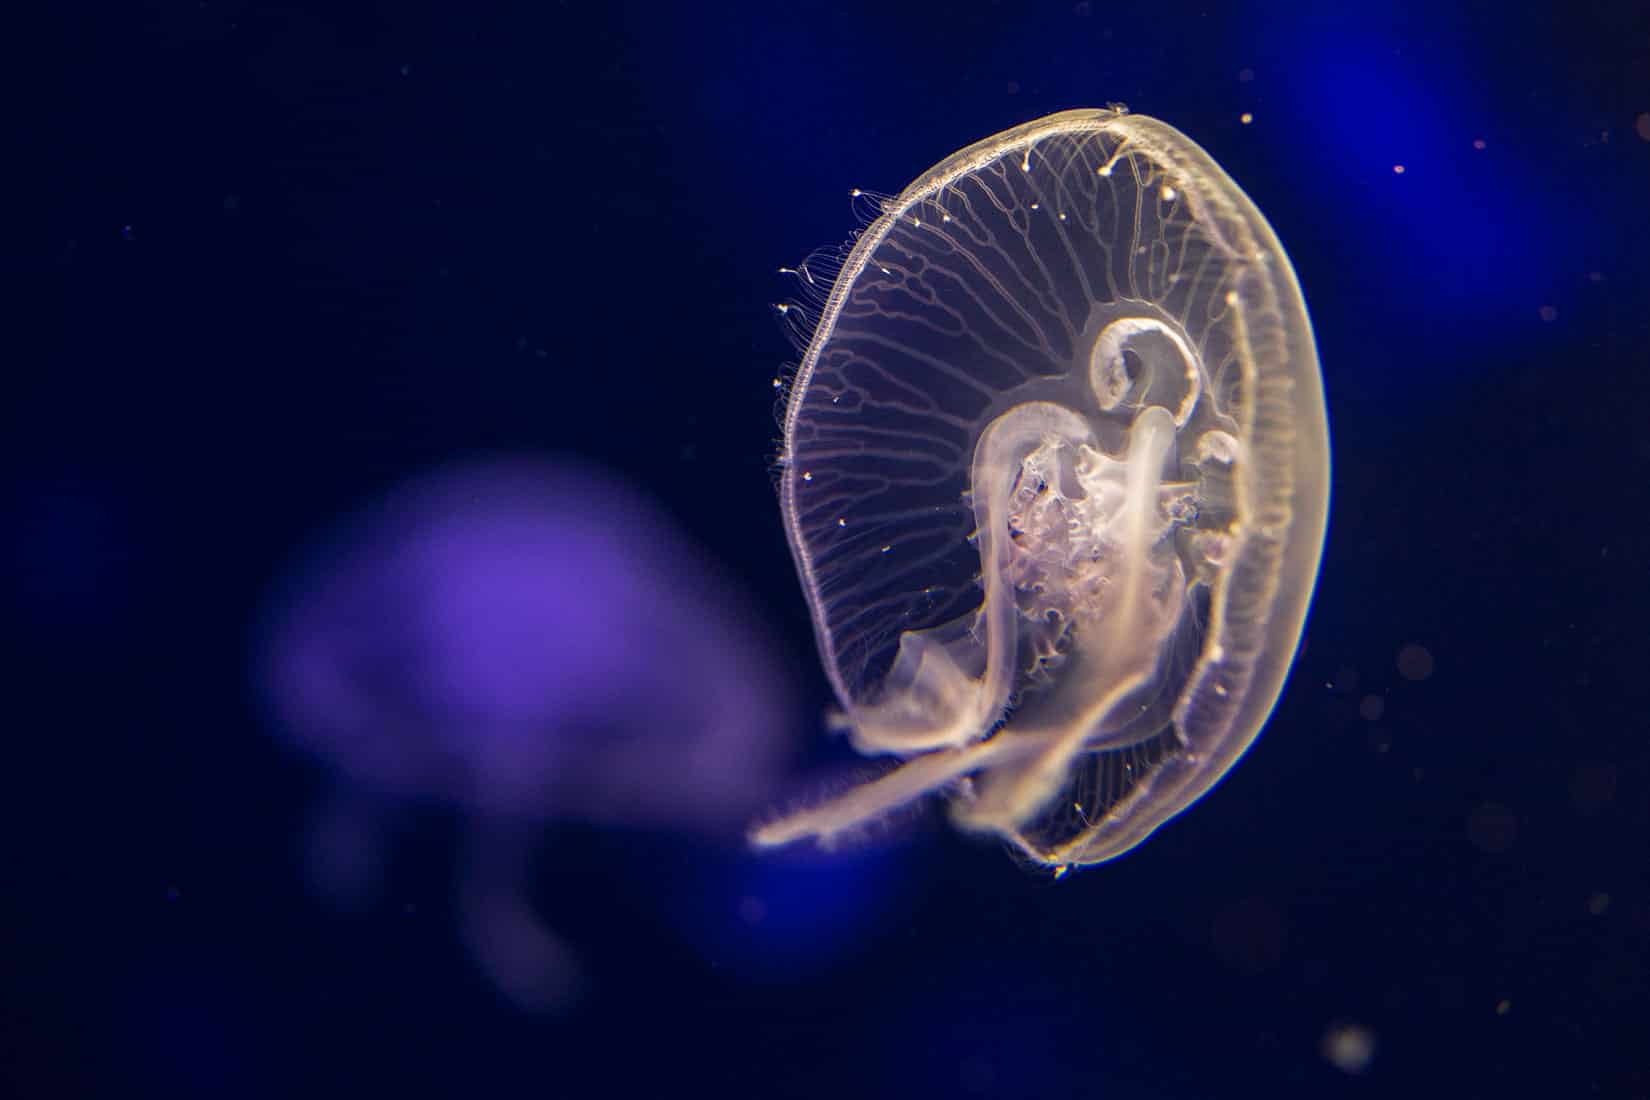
1348,1047
1492,828
1414,662
1592,787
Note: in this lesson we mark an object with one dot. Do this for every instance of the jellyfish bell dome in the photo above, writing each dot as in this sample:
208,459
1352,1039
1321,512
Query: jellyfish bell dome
517,642
531,637
1055,477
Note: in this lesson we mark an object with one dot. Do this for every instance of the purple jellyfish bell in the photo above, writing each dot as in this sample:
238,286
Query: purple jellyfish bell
526,642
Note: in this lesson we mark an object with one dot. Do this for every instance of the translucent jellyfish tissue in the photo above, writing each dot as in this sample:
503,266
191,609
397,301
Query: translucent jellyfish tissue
522,641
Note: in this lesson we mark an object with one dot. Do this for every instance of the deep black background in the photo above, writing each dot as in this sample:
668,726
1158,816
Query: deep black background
284,255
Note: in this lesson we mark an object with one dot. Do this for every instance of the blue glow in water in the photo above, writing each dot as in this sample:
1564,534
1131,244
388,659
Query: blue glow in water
779,917
1434,218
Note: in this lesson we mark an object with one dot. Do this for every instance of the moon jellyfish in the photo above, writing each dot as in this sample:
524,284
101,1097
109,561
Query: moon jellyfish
1055,474
519,642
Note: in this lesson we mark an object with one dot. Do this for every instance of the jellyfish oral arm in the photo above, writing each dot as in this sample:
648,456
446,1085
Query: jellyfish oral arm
920,776
950,685
930,700
1119,639
1120,634
1168,362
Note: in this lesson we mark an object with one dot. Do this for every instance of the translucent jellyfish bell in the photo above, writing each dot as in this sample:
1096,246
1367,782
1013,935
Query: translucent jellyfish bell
1055,475
523,642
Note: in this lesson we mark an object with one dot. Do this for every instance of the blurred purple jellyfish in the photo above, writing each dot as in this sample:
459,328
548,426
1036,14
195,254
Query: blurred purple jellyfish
524,641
